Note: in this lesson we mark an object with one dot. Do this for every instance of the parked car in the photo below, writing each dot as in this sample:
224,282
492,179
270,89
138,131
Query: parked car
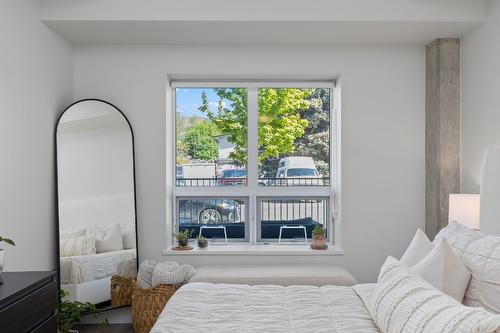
233,177
210,211
194,213
298,170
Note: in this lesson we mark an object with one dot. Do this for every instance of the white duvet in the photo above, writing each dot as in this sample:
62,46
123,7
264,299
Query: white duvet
79,269
211,308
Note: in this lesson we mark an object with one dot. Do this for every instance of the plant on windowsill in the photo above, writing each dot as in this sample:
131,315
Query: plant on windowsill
8,241
70,313
202,242
319,238
183,237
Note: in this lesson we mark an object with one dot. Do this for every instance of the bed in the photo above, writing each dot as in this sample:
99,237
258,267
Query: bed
87,278
400,301
207,307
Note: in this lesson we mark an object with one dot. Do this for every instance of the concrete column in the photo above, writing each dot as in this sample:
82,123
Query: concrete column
442,126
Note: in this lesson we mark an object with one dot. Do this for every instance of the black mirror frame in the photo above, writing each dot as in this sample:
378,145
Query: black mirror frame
58,266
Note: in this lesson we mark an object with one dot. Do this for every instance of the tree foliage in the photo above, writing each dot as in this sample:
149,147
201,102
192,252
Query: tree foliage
280,123
199,143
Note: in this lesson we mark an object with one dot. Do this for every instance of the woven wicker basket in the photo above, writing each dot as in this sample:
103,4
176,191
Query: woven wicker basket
121,291
147,305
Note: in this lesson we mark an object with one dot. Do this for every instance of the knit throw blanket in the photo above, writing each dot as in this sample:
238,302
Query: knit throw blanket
172,273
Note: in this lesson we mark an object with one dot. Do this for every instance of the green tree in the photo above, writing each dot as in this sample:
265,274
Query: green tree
199,143
280,123
315,142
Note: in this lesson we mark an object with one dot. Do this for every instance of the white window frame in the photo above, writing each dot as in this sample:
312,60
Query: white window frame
252,190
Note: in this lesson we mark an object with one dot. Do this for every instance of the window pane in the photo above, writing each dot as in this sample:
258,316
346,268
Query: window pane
211,142
292,217
211,217
294,137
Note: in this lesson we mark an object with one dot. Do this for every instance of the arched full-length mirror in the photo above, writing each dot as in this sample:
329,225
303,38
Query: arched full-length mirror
96,199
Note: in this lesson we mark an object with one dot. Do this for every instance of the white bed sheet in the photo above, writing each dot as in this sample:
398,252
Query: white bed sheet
79,269
207,307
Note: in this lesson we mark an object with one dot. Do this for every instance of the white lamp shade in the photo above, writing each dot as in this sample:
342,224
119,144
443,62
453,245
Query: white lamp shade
464,209
490,192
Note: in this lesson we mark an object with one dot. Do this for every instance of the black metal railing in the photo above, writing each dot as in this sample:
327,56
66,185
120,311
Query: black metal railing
294,181
275,213
264,181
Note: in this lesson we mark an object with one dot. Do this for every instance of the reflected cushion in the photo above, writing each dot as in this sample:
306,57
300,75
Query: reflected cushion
107,238
77,246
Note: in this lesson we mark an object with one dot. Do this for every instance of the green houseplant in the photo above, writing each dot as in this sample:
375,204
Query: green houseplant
183,237
8,241
319,238
202,242
70,313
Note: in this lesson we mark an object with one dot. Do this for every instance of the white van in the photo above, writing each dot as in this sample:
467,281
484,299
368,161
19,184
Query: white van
298,167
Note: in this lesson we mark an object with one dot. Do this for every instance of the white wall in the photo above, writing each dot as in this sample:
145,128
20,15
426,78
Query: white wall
35,85
382,132
480,101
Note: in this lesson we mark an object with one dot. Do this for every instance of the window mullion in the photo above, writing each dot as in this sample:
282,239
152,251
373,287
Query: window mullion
252,158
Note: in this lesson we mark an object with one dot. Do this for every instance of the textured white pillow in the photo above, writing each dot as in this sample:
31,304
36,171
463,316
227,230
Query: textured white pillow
77,246
482,258
459,237
404,302
107,238
444,270
419,247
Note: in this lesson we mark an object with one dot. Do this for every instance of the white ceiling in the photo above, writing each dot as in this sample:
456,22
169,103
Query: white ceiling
267,22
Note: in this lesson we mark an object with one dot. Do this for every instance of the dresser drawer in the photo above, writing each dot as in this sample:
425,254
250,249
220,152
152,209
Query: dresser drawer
49,326
31,310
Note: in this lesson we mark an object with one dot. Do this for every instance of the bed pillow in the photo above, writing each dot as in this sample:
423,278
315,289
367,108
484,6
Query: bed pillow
444,270
482,258
459,237
73,233
404,302
107,238
419,247
77,246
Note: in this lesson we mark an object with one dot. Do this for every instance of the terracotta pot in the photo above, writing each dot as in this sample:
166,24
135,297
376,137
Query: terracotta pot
182,242
202,243
319,242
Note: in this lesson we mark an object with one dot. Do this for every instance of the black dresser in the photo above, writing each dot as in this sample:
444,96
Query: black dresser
28,302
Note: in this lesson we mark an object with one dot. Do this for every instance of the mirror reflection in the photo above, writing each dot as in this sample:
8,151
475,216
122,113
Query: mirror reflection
96,197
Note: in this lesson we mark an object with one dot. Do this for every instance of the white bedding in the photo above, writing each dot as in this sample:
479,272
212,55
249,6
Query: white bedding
207,307
79,269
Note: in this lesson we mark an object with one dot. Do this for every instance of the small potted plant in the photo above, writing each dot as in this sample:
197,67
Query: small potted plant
71,312
8,241
183,237
319,238
202,242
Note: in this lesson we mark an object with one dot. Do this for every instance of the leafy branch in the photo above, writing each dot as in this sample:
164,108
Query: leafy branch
8,241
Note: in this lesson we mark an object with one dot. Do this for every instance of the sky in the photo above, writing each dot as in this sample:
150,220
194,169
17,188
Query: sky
188,100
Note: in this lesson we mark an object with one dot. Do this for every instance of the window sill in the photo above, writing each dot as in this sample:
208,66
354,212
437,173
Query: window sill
258,250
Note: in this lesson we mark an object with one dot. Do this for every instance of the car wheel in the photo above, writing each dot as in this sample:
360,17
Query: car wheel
210,216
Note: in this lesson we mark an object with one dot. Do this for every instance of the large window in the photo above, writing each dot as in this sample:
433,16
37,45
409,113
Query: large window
253,161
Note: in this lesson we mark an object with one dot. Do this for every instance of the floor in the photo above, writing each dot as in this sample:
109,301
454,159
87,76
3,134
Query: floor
112,328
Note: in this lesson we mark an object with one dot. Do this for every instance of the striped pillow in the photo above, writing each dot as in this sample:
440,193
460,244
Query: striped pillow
77,246
404,302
